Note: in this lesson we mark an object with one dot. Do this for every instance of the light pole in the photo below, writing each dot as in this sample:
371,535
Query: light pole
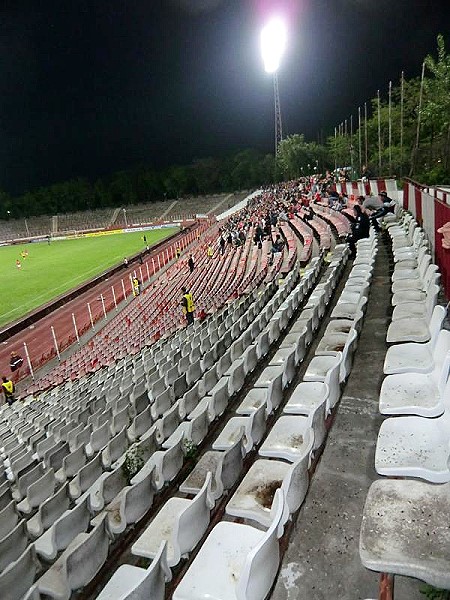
273,44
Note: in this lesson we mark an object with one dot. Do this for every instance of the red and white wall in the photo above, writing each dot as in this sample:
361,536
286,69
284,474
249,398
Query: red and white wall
431,208
374,187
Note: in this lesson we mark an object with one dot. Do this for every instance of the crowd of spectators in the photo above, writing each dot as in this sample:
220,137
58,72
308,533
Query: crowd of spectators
280,202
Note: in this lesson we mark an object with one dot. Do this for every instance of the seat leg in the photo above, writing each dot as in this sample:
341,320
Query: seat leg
386,589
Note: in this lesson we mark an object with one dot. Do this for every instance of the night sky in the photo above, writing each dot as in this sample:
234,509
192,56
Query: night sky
89,87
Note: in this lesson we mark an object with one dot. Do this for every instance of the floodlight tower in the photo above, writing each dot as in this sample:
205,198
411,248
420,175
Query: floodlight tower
273,44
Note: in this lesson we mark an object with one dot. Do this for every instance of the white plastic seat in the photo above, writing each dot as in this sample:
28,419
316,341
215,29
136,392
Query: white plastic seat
18,577
38,492
405,531
254,426
194,430
104,489
72,463
270,396
236,562
86,477
285,357
418,358
135,583
415,284
423,394
49,511
225,468
321,364
168,423
253,498
167,464
114,449
414,447
63,531
161,404
130,504
413,329
417,306
348,310
291,438
13,544
181,522
99,438
299,341
78,565
8,519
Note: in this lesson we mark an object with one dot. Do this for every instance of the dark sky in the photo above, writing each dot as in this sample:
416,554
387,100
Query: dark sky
89,87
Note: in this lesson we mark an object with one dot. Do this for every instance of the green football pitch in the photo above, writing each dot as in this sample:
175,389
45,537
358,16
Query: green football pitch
51,269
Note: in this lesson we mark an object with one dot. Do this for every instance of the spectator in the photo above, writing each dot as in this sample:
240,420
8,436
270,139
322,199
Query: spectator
15,363
191,264
8,388
188,307
360,229
388,206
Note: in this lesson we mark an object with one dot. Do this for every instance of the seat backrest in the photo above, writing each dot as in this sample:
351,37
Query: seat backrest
18,577
153,583
137,499
261,564
332,380
256,427
295,484
88,557
193,521
229,468
436,321
70,524
54,507
347,354
8,518
443,376
274,393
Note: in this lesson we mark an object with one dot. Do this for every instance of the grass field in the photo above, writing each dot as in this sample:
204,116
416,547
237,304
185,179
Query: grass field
51,269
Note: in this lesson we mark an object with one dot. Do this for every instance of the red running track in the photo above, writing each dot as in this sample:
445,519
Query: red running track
39,338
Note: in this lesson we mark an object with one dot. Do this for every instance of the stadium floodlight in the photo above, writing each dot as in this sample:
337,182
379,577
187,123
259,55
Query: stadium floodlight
273,45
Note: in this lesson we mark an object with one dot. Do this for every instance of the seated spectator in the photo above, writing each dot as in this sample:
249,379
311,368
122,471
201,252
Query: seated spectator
388,206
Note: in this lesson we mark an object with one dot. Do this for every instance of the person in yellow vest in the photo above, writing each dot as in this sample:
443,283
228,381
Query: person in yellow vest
136,287
187,304
8,389
178,252
209,252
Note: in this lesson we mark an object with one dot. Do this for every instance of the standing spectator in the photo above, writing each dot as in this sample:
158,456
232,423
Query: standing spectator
187,303
360,229
15,363
222,243
8,388
191,264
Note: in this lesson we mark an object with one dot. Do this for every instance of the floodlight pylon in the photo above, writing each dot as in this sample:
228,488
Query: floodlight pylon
278,124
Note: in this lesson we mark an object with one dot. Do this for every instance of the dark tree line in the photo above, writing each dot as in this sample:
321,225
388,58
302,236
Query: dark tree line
245,170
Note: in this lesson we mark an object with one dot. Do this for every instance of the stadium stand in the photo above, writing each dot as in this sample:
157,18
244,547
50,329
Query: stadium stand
166,439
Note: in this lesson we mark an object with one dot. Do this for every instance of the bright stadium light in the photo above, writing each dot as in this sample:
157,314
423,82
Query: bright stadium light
273,44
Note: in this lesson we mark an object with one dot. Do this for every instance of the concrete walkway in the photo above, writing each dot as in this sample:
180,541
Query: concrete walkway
322,560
